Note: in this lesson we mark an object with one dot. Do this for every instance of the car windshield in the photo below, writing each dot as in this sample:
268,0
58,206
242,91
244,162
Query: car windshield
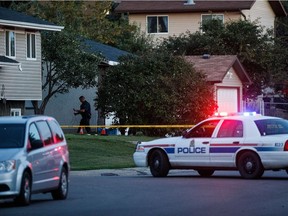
12,135
272,126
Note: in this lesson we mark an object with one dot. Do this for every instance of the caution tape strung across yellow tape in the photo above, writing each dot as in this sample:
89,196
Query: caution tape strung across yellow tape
129,126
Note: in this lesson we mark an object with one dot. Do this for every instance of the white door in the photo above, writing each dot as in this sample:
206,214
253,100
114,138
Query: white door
227,100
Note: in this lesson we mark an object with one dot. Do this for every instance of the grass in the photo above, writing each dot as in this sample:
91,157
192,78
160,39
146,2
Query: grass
102,152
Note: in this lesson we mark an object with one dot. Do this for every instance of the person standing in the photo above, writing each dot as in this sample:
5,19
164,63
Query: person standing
85,112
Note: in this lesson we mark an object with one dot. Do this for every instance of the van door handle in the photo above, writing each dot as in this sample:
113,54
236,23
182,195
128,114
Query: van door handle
46,153
236,142
205,142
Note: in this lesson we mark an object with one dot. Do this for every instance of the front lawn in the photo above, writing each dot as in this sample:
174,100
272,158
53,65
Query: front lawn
102,152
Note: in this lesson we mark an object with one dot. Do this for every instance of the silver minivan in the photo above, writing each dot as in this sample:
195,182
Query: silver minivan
34,158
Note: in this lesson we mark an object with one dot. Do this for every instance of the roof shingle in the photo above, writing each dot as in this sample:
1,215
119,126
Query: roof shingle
216,67
181,6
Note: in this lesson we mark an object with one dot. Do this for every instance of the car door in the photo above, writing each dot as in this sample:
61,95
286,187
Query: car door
193,148
50,166
35,157
228,140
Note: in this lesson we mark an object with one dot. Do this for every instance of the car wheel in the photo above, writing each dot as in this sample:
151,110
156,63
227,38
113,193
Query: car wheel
24,196
159,165
62,191
205,172
250,166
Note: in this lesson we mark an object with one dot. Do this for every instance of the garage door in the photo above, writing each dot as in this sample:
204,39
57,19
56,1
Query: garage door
227,100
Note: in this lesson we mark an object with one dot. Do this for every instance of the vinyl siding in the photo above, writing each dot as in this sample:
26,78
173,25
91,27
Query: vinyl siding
261,11
25,84
178,22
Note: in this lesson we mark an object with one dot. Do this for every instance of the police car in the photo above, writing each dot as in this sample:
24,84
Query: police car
249,144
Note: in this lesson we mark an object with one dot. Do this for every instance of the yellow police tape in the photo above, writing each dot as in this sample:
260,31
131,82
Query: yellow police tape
129,126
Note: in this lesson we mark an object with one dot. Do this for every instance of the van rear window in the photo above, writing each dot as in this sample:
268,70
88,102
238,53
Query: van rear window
272,126
12,135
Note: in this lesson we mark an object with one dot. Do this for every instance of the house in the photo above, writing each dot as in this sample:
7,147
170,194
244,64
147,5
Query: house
20,60
171,18
61,107
227,75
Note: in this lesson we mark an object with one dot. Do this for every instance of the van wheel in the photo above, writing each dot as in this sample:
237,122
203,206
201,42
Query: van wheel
250,166
24,196
159,164
62,191
205,173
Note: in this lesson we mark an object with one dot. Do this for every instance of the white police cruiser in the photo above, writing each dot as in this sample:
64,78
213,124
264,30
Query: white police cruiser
250,144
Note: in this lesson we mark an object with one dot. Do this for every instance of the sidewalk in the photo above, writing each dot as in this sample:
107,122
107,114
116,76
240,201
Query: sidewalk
135,171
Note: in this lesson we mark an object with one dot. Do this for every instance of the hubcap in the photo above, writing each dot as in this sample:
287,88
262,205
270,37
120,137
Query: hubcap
27,189
64,184
249,165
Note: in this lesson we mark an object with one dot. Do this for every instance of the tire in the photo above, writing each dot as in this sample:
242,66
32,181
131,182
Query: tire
159,164
250,166
62,191
24,196
205,172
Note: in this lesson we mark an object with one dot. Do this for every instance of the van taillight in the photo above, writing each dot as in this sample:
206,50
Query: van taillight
286,146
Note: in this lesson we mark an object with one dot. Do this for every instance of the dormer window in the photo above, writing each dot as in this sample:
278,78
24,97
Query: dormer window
157,24
31,46
10,44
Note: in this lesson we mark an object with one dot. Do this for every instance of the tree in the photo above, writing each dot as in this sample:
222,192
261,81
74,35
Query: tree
155,88
66,63
255,48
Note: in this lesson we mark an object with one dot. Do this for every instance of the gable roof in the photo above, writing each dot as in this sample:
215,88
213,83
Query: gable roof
181,6
7,61
216,67
16,19
110,54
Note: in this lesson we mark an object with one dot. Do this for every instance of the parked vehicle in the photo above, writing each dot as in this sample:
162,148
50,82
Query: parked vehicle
34,158
250,144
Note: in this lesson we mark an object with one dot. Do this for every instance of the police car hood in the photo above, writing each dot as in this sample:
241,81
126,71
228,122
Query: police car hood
170,140
7,154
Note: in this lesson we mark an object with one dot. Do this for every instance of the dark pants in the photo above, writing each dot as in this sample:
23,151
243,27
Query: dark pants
85,122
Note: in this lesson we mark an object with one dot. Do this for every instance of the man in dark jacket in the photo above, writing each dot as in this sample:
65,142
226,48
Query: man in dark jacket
85,112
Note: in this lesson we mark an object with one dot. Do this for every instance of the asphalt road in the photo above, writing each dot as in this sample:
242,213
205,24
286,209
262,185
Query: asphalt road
136,192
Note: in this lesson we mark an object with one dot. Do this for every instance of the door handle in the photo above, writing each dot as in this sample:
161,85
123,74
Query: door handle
205,142
236,142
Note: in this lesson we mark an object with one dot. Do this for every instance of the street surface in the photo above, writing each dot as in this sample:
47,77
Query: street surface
135,192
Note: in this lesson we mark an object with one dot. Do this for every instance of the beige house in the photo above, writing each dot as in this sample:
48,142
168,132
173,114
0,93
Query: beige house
227,75
168,18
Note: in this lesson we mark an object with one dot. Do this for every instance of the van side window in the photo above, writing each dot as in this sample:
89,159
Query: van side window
34,137
58,134
45,132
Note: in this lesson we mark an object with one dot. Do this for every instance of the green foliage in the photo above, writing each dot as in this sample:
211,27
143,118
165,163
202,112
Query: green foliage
155,88
263,56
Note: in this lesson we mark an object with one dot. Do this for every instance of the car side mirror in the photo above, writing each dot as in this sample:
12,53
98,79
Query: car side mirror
184,133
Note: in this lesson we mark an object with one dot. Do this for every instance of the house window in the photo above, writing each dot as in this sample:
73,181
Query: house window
15,112
157,24
208,17
10,44
31,46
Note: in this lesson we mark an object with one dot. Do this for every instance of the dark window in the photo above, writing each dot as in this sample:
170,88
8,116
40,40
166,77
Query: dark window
272,126
31,45
56,130
34,137
10,43
157,24
203,130
231,128
12,135
45,132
